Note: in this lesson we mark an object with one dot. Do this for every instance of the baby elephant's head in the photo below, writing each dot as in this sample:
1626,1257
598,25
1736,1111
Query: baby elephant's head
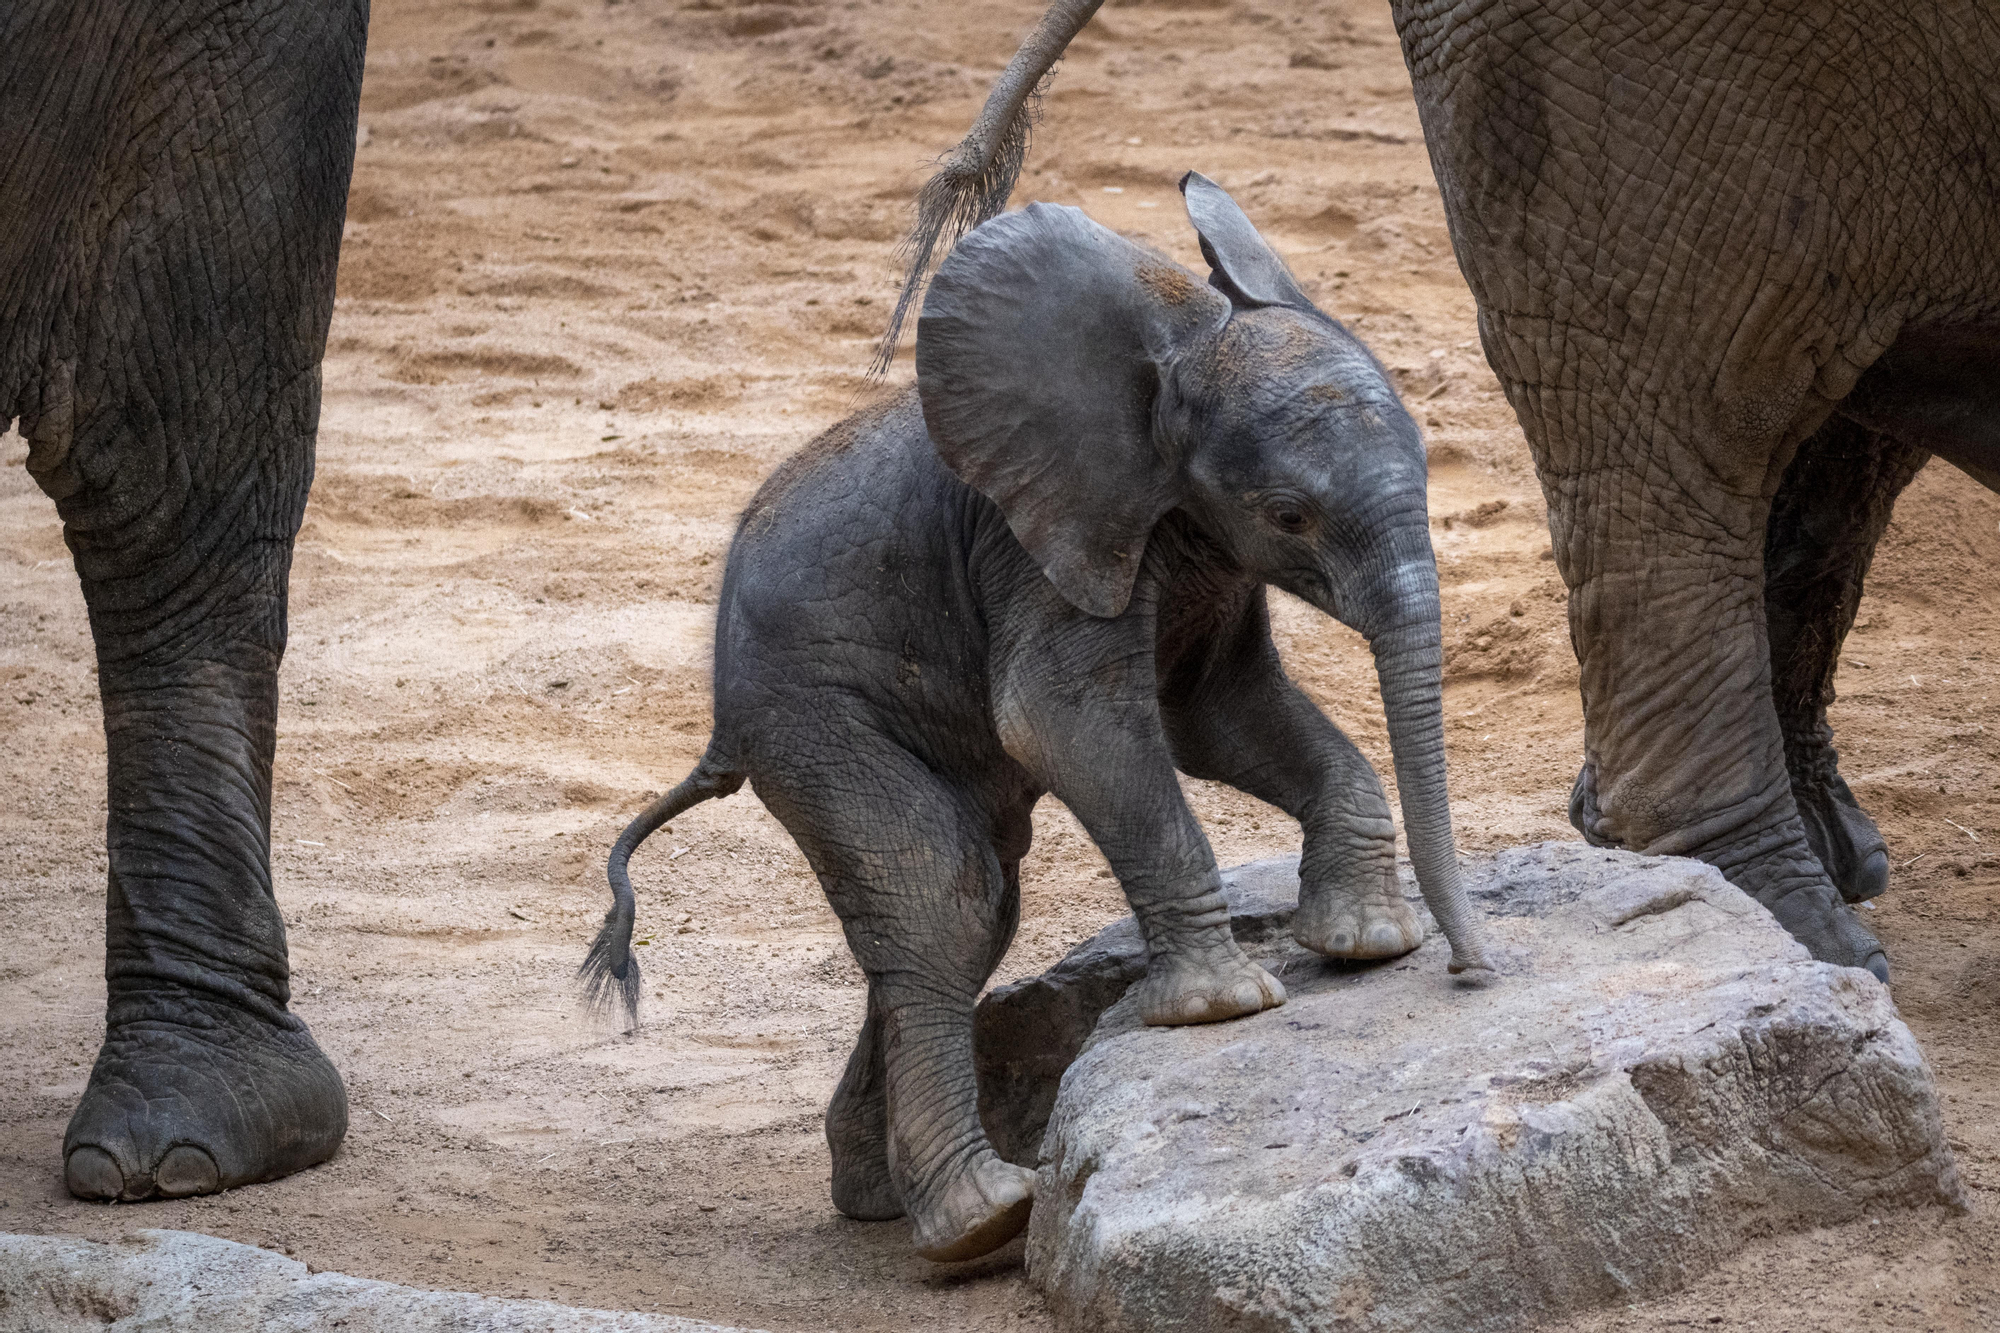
1088,387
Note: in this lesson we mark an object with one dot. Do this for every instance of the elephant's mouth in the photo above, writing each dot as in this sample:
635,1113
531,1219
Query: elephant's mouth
1308,584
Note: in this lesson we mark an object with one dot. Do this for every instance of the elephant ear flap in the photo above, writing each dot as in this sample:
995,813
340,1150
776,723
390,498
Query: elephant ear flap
1041,349
1243,265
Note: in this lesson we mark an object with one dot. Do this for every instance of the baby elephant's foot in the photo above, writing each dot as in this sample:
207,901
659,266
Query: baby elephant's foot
1178,990
1357,926
985,1206
857,1133
862,1186
192,1108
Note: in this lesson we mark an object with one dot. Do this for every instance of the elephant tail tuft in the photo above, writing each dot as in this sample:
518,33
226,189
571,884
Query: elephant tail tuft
973,181
610,971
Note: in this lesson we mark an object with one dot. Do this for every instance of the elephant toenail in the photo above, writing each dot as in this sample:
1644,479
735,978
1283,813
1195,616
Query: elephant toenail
1878,963
92,1173
1871,879
187,1170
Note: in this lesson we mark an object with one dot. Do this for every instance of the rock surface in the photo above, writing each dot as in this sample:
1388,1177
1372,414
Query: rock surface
157,1281
1658,1073
1027,1033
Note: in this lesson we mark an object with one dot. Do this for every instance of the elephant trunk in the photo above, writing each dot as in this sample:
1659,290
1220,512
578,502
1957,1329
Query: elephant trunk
1409,660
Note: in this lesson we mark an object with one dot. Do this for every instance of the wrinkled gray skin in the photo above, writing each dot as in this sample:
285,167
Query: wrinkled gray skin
1738,269
1042,572
173,179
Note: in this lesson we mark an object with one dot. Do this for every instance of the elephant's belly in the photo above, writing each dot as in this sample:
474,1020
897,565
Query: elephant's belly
1938,388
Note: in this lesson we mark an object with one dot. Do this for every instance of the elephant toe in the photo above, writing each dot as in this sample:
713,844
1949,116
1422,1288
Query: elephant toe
1177,991
172,1112
186,1170
1878,963
1357,927
1844,839
1870,879
92,1173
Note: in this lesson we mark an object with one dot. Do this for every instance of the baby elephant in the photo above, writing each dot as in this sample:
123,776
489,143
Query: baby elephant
1043,571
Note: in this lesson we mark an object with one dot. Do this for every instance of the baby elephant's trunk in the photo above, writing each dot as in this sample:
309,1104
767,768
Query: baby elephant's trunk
1409,660
611,971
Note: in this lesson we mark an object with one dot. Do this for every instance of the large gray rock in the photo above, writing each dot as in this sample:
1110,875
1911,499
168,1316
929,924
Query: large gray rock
1658,1073
174,1281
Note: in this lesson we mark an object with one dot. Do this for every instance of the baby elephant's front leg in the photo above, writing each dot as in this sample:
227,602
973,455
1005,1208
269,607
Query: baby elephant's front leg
1195,971
1350,903
1077,706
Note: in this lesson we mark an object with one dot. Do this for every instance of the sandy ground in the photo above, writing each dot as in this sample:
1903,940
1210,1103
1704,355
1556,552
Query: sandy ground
605,266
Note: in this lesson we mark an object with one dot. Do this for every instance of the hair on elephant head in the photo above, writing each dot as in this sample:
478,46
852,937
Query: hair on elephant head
1088,386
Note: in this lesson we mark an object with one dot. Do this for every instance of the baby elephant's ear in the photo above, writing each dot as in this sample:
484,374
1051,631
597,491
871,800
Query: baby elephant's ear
1040,352
1244,266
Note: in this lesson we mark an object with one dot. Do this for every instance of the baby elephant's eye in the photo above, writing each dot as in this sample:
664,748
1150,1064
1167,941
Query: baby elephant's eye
1287,516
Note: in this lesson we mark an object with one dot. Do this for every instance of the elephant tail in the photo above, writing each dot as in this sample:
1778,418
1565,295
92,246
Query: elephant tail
973,181
610,972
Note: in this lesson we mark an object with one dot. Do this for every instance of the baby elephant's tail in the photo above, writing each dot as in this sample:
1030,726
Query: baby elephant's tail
610,972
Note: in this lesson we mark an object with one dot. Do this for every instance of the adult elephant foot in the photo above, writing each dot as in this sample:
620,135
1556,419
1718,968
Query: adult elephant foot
1357,921
1841,838
1839,831
1815,915
977,1210
1844,838
1585,816
217,1100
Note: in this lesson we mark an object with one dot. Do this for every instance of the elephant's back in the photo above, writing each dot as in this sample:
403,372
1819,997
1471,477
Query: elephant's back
831,479
851,558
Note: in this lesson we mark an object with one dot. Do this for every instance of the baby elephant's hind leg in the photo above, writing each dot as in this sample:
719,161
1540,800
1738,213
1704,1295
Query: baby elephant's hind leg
927,908
857,1130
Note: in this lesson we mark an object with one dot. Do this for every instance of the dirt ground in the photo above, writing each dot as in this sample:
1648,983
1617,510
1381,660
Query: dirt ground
606,264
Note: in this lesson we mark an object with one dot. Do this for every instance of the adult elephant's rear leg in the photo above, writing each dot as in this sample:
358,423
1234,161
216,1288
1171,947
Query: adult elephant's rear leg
928,907
1682,748
1828,516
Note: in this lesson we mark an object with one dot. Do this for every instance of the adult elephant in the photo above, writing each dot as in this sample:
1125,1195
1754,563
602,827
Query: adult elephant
1738,270
173,181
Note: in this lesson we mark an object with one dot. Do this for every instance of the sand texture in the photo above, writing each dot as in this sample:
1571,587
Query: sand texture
606,265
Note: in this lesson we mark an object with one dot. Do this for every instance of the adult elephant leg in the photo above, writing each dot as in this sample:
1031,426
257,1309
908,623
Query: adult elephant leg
1828,515
171,416
205,1080
928,908
1665,567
